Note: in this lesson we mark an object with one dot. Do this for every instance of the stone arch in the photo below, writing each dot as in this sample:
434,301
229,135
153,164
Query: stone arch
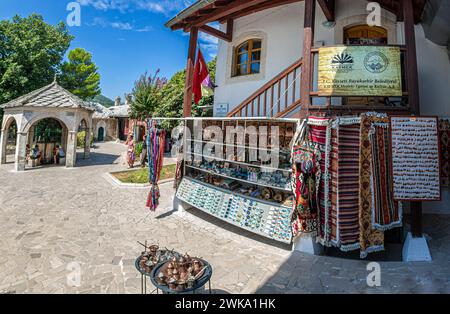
65,122
63,142
4,136
100,124
7,120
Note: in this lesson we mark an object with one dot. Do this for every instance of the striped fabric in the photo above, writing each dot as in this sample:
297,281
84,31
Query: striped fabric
319,136
386,213
345,187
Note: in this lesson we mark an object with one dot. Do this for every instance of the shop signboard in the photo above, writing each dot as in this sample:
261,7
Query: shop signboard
360,71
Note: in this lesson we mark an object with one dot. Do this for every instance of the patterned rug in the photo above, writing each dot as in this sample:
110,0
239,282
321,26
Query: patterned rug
444,138
371,240
319,136
345,184
306,176
305,183
386,213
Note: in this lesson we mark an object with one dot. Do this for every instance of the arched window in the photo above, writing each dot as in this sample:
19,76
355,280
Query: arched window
247,58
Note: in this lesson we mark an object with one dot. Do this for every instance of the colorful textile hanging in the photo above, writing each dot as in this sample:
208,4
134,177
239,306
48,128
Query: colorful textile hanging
444,138
306,177
345,184
319,137
305,183
179,146
386,213
371,240
155,146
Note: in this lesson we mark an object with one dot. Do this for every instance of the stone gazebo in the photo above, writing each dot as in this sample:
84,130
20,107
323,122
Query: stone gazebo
53,102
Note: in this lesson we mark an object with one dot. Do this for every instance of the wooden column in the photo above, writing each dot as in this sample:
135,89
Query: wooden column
412,78
187,104
308,42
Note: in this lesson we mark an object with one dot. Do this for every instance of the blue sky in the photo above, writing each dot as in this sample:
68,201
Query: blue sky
125,37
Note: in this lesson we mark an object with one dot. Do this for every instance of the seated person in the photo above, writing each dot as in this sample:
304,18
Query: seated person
28,153
56,155
61,153
36,154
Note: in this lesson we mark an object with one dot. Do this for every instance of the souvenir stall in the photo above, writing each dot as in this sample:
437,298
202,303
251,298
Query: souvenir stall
227,176
340,180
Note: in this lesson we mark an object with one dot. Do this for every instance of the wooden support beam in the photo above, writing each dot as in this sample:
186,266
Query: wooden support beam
412,79
187,103
228,36
412,76
308,42
227,10
400,12
328,9
258,8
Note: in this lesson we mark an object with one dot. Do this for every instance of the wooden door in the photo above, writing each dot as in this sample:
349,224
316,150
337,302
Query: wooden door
365,35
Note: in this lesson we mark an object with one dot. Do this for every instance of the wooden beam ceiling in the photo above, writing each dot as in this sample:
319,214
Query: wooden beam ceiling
265,6
227,10
223,10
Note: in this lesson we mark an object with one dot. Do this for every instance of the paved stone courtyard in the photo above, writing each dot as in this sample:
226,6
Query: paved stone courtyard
54,218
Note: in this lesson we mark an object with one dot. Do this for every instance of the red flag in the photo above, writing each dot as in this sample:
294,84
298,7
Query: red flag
200,74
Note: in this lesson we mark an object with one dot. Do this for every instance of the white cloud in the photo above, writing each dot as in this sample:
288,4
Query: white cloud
144,29
104,5
166,7
122,26
208,38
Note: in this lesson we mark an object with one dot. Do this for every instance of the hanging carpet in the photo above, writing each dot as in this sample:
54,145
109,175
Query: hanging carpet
386,213
345,184
319,136
444,138
371,240
306,178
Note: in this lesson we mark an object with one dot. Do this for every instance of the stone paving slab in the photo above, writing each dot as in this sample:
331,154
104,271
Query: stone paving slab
58,222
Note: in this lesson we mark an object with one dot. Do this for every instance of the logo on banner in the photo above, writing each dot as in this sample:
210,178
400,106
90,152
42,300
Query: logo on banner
342,62
376,62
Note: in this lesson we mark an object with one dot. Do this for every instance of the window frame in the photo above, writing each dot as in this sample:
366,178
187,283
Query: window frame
250,61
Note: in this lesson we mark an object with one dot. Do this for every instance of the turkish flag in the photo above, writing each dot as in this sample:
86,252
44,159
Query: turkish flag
200,74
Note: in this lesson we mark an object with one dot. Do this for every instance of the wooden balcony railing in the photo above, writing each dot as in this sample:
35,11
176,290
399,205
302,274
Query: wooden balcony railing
276,98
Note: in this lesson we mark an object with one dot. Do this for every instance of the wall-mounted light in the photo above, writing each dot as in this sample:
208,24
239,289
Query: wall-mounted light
329,24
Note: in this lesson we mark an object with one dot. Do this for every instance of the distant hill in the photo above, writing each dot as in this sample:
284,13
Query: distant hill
105,101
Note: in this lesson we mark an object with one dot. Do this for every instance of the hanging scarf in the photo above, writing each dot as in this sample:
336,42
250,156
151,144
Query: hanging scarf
180,157
155,148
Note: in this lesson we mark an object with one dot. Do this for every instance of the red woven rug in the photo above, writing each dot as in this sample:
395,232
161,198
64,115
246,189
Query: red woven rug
345,187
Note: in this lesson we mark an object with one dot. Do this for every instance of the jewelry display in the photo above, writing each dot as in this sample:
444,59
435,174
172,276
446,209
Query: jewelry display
247,182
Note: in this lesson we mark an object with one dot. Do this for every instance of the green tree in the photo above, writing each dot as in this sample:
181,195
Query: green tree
173,98
147,95
30,54
80,75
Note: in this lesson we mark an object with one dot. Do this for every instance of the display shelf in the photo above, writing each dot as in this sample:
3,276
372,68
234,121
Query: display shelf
238,179
257,216
282,151
241,163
